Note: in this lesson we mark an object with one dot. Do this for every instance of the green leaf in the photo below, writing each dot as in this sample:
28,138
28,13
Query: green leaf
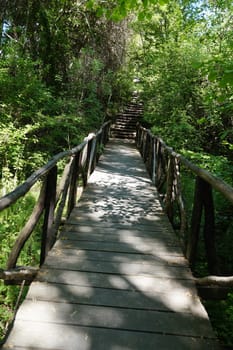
197,65
227,78
212,75
201,121
162,2
90,4
141,16
145,3
100,11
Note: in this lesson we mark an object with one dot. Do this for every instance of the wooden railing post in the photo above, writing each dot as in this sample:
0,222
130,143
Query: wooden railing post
141,136
209,228
85,158
91,163
137,134
170,195
50,203
88,160
73,183
150,154
192,243
154,161
98,147
27,230
203,200
180,201
161,173
83,163
158,161
144,145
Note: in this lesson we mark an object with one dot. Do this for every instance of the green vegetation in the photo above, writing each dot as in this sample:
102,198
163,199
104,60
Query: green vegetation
11,221
178,53
221,315
66,66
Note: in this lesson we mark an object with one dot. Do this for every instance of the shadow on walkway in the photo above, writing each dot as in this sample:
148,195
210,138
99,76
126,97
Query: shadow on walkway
116,278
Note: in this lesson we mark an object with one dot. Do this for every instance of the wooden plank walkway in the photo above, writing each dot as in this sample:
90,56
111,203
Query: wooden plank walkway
116,278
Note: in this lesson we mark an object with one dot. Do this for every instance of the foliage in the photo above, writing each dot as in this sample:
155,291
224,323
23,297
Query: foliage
8,300
54,82
11,222
176,58
219,166
221,314
119,9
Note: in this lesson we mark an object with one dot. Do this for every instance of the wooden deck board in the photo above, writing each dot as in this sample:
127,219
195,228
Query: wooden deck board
117,281
188,302
114,318
150,269
173,260
137,247
116,278
57,336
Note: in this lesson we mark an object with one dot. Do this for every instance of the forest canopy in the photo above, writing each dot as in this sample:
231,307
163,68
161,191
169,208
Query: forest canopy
68,62
59,77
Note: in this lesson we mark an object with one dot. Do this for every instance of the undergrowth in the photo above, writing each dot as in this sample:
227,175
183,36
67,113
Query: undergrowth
12,221
221,316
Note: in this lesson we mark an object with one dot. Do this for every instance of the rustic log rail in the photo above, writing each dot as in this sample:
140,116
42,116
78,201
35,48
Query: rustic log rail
52,199
164,167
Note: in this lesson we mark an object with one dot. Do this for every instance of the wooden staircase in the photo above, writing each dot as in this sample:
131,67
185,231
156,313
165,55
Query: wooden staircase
124,126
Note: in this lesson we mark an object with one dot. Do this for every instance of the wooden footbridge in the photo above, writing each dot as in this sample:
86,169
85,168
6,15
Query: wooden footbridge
116,277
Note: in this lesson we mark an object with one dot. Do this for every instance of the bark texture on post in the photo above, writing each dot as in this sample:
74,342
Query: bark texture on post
50,200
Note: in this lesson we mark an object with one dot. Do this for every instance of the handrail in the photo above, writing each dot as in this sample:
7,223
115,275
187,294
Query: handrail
22,189
164,167
53,197
214,181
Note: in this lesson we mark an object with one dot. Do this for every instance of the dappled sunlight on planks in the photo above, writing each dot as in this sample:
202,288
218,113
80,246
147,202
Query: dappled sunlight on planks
116,279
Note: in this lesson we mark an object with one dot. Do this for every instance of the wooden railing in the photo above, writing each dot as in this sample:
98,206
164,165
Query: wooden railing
164,166
53,198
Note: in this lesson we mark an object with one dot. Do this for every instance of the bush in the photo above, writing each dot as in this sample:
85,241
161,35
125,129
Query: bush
221,315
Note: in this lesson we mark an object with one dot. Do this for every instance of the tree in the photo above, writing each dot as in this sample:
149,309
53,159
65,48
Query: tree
184,67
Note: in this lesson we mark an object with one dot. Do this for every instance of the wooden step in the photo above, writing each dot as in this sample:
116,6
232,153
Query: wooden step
124,126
